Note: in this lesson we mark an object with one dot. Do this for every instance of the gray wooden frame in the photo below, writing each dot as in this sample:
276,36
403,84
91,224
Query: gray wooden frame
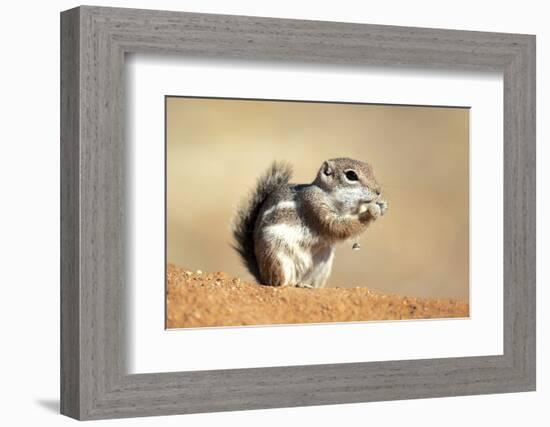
94,41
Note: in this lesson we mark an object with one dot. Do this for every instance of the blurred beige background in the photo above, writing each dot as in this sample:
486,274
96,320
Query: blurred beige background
217,148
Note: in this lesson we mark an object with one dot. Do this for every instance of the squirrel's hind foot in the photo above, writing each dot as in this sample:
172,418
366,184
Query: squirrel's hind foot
304,285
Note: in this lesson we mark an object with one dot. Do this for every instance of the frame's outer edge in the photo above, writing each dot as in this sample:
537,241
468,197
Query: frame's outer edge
70,214
520,214
530,134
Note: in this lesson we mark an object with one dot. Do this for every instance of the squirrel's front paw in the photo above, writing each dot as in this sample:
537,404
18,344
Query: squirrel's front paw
383,205
369,211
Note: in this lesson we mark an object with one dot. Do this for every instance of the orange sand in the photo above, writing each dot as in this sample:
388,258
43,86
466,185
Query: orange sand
197,299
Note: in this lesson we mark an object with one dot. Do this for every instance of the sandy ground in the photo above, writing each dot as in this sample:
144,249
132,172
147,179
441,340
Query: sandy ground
198,298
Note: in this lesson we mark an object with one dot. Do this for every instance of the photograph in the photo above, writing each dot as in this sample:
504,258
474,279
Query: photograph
293,212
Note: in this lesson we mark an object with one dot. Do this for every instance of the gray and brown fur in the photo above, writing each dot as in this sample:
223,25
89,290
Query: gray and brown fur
286,233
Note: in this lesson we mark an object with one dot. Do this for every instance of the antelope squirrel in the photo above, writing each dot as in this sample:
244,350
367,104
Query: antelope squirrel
285,233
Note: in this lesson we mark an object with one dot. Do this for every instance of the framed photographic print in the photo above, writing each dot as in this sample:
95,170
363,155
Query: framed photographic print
262,213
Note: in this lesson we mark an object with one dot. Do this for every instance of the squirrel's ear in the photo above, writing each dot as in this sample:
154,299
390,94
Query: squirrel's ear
327,168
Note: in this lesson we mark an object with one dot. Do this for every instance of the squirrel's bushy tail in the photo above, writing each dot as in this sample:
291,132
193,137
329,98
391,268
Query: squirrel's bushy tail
279,173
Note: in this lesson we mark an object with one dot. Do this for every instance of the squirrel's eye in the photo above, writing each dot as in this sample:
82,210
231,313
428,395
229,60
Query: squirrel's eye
351,176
